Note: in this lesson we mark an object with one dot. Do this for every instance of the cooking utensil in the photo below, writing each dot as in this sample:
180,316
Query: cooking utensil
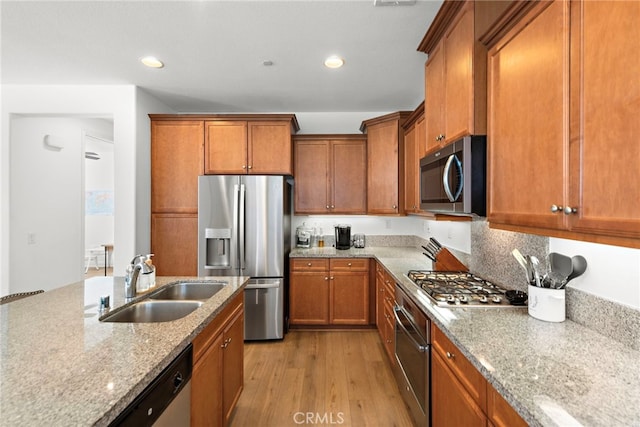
559,268
516,297
523,263
435,242
535,264
579,266
428,255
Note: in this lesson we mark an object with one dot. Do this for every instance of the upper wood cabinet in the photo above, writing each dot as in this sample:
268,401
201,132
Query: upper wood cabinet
176,162
562,126
385,163
456,69
330,174
414,146
258,147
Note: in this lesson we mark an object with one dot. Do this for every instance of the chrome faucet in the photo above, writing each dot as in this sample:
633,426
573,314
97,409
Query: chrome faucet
137,266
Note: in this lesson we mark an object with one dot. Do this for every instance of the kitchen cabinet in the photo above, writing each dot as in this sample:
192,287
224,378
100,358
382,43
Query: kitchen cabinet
176,162
331,291
385,163
385,317
218,367
330,174
238,147
558,171
455,84
460,395
174,243
414,145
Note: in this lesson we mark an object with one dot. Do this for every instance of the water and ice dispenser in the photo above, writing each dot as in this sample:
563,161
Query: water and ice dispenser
218,247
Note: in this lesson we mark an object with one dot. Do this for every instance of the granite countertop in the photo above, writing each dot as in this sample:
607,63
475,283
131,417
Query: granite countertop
553,374
61,366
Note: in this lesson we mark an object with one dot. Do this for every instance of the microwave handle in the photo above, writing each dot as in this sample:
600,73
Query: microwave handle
445,178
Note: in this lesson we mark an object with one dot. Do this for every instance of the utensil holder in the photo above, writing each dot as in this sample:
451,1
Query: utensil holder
547,304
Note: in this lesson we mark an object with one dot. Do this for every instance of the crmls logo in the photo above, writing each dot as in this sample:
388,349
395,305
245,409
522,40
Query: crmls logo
318,418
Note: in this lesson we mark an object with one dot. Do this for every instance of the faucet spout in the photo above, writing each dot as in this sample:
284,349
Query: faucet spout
136,267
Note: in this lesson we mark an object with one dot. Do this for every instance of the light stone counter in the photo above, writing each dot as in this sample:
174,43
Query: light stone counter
553,374
61,366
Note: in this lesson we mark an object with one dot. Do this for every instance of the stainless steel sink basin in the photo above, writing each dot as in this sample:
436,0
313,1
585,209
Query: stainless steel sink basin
148,311
188,291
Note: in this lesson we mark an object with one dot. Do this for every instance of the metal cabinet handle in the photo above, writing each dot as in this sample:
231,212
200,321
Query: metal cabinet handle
326,278
244,166
556,208
569,210
327,206
450,355
330,277
394,206
349,264
249,167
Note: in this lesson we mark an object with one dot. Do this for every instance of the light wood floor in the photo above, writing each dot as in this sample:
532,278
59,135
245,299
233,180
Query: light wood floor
332,378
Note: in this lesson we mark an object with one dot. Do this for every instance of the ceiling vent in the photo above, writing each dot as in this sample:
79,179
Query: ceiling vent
91,155
394,2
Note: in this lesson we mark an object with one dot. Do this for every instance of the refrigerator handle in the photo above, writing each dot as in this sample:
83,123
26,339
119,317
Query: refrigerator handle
234,243
241,226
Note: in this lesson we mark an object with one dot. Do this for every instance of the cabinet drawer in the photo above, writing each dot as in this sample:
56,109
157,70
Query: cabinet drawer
309,264
468,375
349,264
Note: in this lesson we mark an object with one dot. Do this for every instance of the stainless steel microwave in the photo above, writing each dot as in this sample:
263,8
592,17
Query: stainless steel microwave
453,179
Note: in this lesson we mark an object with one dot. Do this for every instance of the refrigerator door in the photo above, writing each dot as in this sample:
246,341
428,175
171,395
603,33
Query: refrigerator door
263,314
262,248
218,225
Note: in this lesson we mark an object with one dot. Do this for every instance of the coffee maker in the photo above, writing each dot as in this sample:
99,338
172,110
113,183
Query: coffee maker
343,236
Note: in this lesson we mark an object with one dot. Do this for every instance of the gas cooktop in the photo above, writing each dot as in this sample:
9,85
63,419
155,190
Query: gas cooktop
459,288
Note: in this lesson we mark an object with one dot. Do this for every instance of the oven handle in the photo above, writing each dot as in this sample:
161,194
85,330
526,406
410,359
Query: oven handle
421,348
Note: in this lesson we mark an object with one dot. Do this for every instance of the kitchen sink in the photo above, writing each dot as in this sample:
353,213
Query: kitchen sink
188,291
149,311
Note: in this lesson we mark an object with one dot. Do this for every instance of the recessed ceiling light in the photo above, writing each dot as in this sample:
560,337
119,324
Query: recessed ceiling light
333,61
152,61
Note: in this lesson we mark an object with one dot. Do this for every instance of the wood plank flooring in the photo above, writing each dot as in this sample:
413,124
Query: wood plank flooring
319,378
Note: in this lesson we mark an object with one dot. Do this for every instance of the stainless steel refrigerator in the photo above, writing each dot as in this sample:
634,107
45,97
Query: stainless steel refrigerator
244,230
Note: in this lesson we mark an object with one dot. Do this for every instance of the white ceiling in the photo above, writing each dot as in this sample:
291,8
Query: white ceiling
213,51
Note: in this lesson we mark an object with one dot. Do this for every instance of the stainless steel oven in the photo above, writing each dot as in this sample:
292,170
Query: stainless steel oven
413,357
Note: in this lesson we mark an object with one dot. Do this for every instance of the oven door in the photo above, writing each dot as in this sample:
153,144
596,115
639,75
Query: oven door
412,355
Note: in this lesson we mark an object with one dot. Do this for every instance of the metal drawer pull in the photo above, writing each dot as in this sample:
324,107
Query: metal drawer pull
421,348
450,355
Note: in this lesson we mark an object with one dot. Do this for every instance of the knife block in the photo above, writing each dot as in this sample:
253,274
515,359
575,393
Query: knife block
446,261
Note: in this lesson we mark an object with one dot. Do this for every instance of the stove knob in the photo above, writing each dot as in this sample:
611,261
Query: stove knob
496,299
464,299
483,299
451,299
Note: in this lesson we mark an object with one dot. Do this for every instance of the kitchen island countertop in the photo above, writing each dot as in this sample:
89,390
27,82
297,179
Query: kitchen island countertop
553,374
61,366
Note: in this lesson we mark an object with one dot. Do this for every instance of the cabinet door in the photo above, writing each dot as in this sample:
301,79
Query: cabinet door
604,151
527,120
451,405
225,147
382,168
176,162
233,364
421,143
434,98
349,298
458,75
311,190
348,177
411,166
174,243
309,299
380,302
206,389
269,148
499,412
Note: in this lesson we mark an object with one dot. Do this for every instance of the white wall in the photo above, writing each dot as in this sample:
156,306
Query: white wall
344,122
117,101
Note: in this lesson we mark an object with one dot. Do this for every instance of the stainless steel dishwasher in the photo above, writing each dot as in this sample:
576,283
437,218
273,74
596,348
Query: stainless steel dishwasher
166,401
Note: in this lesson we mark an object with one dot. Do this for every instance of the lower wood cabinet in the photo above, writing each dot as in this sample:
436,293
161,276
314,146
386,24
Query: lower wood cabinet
460,395
385,318
329,291
218,367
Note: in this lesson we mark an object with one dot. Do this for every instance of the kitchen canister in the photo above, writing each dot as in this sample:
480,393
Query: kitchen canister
547,304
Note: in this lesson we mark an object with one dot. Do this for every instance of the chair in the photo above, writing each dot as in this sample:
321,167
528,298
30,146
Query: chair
91,255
